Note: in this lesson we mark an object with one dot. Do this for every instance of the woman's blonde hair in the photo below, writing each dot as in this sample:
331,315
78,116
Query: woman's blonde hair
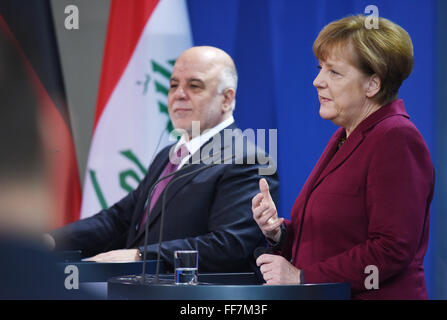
386,51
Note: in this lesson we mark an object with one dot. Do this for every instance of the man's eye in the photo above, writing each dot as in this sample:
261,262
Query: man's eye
173,86
319,67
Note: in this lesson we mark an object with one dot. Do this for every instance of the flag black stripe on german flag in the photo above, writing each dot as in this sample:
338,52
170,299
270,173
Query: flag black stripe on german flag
29,25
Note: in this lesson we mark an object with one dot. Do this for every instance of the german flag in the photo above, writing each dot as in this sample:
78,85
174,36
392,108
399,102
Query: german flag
29,25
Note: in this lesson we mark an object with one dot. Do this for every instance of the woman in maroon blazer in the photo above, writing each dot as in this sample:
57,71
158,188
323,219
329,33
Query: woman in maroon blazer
363,214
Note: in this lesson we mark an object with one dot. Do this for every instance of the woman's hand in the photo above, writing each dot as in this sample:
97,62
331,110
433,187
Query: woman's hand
276,270
264,212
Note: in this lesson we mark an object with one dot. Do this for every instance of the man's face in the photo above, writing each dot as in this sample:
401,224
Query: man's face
193,94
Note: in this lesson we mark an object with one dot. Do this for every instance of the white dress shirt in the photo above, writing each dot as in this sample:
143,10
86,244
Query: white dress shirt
196,143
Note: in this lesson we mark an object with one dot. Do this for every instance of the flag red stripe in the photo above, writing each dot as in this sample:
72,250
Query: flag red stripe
127,20
64,175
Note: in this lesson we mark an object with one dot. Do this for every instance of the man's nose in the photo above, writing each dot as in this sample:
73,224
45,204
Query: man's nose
180,93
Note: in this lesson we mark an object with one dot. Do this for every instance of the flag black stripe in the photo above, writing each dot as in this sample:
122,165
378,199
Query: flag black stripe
31,23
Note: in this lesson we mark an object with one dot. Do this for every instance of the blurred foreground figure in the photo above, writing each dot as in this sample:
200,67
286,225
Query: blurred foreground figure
27,270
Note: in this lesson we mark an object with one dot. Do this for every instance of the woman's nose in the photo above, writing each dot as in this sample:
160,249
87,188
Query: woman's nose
319,81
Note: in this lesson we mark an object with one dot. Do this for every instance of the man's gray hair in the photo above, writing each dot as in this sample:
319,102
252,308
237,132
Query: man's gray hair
228,79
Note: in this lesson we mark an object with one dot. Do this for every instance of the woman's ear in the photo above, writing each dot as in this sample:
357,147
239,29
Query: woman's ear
374,85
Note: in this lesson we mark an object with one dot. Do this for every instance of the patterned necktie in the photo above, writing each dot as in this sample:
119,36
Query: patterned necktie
171,167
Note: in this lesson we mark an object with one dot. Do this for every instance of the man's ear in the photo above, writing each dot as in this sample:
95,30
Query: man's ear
374,85
229,96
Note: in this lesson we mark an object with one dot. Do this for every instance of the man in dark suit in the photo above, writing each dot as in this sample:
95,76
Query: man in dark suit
210,210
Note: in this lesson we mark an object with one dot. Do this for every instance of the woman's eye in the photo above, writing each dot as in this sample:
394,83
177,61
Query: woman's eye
335,72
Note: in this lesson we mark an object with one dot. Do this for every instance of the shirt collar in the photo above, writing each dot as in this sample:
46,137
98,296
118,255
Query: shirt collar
196,143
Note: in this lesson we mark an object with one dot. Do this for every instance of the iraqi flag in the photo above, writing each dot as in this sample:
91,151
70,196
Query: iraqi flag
29,25
144,38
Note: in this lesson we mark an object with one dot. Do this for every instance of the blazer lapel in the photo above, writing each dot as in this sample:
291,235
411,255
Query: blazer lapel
331,159
303,197
157,168
392,109
176,186
322,162
341,155
172,191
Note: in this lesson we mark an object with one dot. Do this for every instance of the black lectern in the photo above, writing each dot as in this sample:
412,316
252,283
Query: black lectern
101,272
220,287
90,271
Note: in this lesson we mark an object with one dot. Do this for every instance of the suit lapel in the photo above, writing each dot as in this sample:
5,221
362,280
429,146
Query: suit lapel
172,191
176,186
155,171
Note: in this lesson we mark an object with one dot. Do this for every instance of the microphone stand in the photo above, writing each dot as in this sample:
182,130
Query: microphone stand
146,229
146,226
157,273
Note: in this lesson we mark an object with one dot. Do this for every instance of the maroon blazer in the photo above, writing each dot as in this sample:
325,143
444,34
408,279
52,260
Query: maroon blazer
367,204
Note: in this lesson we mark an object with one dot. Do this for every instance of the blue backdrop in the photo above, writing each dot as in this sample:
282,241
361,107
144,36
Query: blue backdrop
271,43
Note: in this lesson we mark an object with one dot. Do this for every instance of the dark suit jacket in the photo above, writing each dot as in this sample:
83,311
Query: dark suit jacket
209,211
367,204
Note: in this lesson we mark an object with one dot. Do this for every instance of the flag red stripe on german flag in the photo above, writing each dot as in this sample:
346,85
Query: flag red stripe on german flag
29,24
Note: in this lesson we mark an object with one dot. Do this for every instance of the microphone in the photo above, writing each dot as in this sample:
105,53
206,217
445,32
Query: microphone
157,273
259,251
149,199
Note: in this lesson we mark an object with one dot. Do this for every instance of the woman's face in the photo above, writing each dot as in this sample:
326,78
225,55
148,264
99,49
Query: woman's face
342,90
